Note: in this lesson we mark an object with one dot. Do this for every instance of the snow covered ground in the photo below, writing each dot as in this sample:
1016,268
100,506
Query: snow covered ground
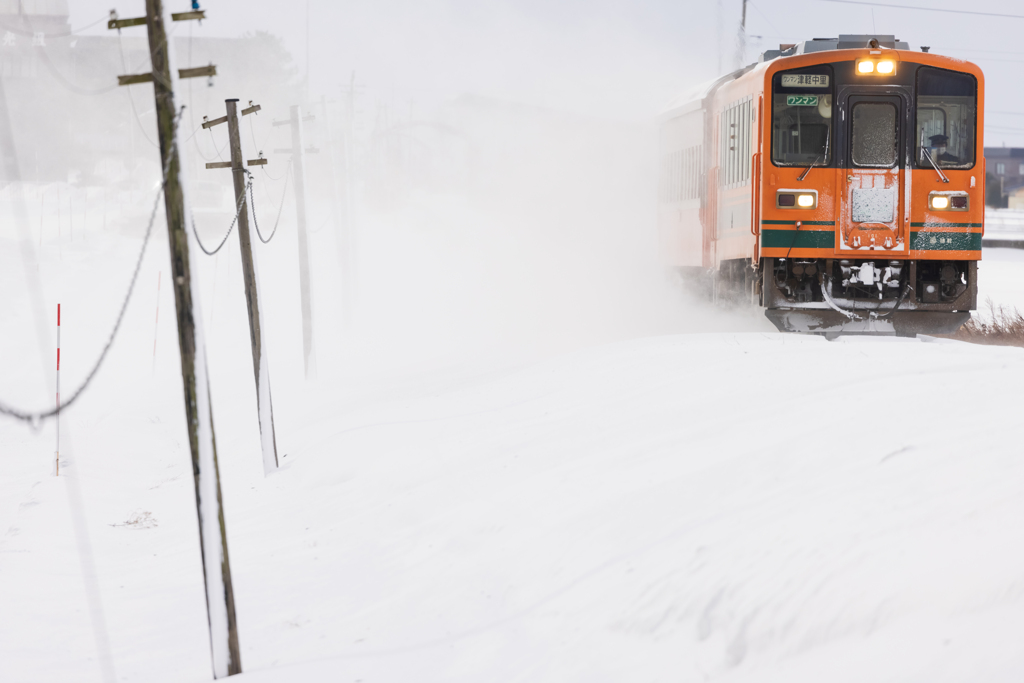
570,486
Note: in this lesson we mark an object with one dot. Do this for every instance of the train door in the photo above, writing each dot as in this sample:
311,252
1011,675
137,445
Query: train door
872,214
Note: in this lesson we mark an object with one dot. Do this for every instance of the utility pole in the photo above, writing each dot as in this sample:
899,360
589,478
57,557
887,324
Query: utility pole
298,154
260,364
742,37
220,601
348,197
340,224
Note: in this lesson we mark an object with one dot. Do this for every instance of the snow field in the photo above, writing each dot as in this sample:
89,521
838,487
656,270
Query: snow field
467,501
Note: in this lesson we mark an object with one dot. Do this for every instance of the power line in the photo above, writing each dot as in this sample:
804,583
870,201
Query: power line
764,16
59,34
131,100
973,49
34,418
926,9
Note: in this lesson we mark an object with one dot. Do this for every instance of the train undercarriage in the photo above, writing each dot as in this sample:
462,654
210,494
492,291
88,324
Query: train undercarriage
852,296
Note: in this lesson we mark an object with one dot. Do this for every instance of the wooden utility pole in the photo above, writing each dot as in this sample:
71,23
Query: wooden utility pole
220,601
260,363
298,169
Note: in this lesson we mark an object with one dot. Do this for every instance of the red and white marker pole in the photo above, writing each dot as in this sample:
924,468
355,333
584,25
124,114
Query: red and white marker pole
57,452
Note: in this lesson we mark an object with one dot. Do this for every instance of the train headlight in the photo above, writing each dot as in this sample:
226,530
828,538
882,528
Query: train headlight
883,67
796,199
949,201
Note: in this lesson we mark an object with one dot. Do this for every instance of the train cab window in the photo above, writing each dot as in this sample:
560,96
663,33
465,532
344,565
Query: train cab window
802,117
947,104
874,134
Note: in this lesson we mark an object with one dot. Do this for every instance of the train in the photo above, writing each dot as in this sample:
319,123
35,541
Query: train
838,183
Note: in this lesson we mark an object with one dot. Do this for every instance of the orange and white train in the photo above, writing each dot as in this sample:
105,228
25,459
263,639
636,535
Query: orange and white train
838,183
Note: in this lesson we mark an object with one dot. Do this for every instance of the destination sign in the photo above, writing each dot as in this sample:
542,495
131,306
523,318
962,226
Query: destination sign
804,80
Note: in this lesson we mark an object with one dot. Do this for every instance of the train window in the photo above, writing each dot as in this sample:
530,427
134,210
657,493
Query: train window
735,149
946,113
874,134
802,117
681,175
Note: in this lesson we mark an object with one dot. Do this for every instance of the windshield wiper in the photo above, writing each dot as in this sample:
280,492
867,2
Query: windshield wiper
824,153
808,169
934,165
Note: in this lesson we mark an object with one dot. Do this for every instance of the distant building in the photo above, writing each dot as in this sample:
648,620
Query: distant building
1004,170
1015,198
71,122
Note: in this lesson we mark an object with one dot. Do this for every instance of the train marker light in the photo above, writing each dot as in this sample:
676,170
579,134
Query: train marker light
886,66
865,67
796,199
949,201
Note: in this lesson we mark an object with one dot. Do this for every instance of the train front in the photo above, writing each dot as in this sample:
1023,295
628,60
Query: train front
871,192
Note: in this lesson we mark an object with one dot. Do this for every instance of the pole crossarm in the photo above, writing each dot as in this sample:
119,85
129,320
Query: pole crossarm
136,78
250,110
287,122
218,164
257,162
141,21
186,16
125,23
215,122
197,72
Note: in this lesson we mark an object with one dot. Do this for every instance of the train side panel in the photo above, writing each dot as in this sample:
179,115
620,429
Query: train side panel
681,143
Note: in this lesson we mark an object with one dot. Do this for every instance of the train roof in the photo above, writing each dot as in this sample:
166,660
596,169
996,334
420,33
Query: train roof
694,98
843,42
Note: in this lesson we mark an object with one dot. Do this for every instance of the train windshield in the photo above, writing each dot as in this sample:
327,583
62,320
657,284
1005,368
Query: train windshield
802,117
947,104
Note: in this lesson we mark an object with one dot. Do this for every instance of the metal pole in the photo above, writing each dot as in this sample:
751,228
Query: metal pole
298,168
260,364
220,601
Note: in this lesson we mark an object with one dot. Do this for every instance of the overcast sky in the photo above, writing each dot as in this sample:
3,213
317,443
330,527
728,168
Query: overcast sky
617,58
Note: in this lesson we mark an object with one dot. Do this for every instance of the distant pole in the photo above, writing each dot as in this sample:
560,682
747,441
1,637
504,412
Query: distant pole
250,280
56,453
743,35
298,154
340,225
156,323
305,98
298,157
220,601
718,34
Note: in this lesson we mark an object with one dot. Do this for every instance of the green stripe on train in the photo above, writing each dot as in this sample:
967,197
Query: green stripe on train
798,239
946,241
826,239
946,225
793,222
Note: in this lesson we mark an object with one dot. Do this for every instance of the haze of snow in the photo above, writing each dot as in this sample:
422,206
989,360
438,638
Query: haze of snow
529,456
